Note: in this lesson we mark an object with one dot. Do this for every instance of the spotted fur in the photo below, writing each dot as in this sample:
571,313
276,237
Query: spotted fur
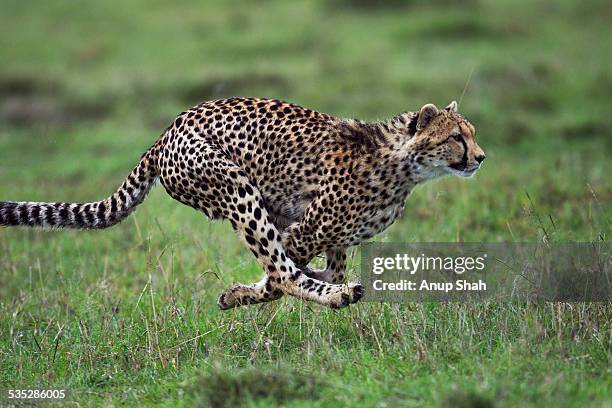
292,182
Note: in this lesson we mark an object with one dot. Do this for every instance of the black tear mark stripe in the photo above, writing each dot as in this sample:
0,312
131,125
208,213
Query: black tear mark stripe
465,152
465,148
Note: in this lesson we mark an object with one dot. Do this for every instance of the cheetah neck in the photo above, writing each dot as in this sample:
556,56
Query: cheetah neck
386,135
391,153
399,153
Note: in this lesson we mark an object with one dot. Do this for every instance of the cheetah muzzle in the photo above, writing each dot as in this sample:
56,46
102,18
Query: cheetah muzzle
292,182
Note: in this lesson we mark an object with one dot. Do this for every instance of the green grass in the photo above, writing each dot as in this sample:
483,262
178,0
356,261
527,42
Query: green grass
127,316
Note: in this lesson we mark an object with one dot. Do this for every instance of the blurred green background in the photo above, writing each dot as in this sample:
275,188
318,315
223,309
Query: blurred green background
86,87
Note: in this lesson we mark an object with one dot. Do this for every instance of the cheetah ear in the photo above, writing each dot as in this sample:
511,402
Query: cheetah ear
426,114
452,106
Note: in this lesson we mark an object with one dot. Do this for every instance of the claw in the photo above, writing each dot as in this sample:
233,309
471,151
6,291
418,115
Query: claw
358,292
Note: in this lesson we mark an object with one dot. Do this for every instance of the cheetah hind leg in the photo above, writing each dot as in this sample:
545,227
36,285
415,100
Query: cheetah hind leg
239,295
226,182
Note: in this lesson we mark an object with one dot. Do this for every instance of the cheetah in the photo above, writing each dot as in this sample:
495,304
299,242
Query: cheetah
293,182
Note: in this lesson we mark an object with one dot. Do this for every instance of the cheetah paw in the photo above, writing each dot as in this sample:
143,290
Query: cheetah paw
353,293
227,300
240,295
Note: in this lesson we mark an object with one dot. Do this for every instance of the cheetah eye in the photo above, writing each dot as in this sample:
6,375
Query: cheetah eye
457,136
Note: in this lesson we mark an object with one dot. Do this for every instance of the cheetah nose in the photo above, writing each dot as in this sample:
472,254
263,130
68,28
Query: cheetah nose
480,158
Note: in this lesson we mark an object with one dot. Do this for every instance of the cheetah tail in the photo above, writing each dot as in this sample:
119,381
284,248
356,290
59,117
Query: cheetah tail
94,215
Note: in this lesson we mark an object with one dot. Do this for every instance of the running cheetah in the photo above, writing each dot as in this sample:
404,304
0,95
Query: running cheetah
292,182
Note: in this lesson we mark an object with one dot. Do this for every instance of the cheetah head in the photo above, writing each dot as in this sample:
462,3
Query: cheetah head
444,142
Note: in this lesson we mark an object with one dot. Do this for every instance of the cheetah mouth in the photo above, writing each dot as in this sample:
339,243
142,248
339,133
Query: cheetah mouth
460,169
461,166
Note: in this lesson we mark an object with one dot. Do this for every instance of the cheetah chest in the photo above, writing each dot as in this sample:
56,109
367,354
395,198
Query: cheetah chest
378,221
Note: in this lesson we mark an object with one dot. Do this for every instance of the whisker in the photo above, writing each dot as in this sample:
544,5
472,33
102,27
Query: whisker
467,83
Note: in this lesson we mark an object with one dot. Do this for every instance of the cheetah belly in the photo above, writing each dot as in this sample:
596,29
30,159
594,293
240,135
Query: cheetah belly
290,209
